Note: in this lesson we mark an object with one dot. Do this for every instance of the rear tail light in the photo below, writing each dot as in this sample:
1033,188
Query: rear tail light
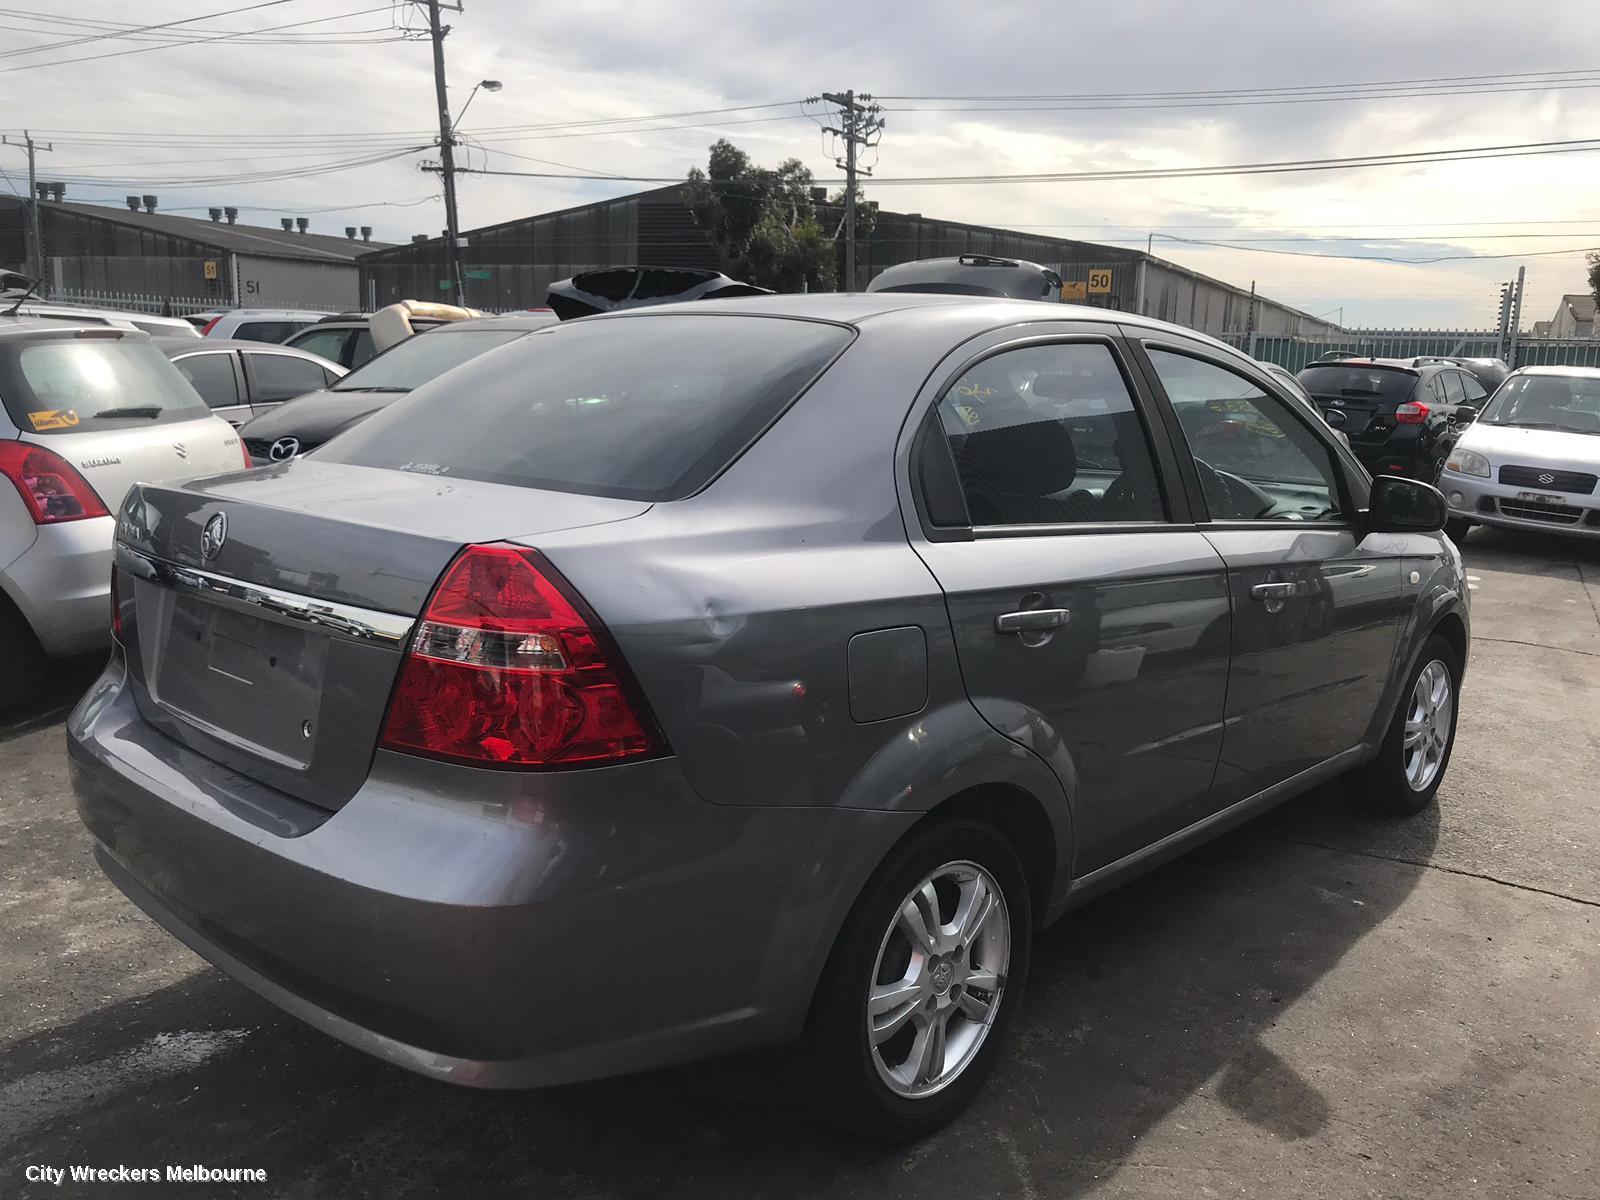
116,604
508,668
245,450
209,326
1411,413
49,485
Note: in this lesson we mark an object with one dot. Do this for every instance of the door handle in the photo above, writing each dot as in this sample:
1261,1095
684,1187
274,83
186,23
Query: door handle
1275,591
1031,620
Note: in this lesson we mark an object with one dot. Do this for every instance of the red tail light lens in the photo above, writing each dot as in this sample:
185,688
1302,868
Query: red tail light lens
1411,413
209,326
245,450
49,485
506,669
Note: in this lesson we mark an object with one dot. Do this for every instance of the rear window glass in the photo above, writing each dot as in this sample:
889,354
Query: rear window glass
64,384
266,331
646,408
423,357
1371,383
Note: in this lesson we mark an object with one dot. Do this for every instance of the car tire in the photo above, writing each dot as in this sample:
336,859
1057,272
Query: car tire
958,1000
1456,529
25,661
1405,777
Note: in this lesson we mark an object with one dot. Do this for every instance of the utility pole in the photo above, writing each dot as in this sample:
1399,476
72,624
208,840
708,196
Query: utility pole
1516,319
447,158
35,239
861,127
1250,323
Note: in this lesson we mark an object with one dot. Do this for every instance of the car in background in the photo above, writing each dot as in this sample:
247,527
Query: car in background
1532,458
1400,419
787,661
350,339
1291,384
85,412
1489,372
614,288
971,275
110,318
255,324
240,379
305,423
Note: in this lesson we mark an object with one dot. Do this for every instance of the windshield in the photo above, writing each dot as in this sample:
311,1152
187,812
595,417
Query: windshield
1570,403
423,357
1363,383
63,384
646,408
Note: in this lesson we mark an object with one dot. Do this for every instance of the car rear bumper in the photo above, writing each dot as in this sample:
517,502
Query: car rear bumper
488,928
1490,503
62,585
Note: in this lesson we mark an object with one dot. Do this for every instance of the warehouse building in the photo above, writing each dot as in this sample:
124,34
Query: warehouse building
510,265
94,250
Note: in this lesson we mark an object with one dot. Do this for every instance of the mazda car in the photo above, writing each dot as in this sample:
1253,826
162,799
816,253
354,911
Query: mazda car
750,673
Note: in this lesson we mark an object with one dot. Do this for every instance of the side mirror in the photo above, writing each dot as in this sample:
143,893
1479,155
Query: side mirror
1335,418
1405,506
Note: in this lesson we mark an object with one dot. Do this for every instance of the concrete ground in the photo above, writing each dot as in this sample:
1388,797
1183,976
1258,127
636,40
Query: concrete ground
1321,1005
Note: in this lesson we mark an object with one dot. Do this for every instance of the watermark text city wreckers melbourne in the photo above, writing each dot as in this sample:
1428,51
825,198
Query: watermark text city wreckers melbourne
194,1173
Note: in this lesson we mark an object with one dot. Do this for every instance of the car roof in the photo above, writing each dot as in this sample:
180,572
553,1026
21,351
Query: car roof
22,326
310,315
1569,372
183,345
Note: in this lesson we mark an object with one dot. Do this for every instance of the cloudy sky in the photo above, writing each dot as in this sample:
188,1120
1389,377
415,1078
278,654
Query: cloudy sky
225,121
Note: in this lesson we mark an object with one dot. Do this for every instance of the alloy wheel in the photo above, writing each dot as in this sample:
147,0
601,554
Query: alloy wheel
939,979
1428,723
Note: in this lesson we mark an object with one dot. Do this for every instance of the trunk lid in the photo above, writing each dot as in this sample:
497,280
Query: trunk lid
1367,394
113,460
276,654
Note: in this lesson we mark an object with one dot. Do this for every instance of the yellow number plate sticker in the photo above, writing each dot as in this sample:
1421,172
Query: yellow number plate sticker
53,418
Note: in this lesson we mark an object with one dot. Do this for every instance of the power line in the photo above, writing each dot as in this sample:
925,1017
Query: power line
1378,257
220,37
142,28
118,29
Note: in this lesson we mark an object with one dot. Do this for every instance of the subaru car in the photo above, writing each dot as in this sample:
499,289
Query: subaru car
1401,419
636,692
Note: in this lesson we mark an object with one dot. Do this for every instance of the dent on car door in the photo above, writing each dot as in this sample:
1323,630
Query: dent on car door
1316,605
1091,626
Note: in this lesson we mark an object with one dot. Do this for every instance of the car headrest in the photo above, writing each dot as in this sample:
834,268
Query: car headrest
1035,459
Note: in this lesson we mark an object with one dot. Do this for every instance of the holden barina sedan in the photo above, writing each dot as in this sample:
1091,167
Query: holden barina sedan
767,671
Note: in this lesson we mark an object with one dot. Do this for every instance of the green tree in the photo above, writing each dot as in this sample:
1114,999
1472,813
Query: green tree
763,222
1594,276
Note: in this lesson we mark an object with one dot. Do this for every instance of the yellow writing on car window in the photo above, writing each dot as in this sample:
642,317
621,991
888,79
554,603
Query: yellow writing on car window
53,418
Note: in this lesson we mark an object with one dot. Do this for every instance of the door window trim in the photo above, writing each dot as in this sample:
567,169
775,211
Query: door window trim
1348,518
1163,456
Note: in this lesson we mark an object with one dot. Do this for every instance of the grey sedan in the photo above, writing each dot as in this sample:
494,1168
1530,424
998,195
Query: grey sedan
684,680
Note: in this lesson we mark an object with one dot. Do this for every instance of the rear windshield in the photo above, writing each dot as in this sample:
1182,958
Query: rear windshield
64,384
422,357
645,408
1370,383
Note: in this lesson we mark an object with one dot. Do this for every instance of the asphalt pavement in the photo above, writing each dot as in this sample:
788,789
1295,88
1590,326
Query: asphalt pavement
1321,1005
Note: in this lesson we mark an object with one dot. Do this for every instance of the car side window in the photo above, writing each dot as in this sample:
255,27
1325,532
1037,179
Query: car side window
1433,391
1049,435
213,376
363,350
1256,460
283,377
1474,391
1453,391
265,331
324,343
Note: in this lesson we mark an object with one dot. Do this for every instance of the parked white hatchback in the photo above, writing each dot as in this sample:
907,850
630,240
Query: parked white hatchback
1531,460
85,412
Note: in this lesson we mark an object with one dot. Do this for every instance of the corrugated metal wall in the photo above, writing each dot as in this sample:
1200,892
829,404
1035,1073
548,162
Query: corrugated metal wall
511,266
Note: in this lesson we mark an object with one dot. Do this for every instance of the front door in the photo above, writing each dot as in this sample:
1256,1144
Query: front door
1091,623
1316,606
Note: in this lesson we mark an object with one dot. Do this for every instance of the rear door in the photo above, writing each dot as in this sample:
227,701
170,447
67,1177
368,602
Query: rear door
1091,618
1316,606
276,377
215,375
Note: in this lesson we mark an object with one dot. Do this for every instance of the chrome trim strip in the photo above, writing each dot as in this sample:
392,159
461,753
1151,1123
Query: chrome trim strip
341,620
